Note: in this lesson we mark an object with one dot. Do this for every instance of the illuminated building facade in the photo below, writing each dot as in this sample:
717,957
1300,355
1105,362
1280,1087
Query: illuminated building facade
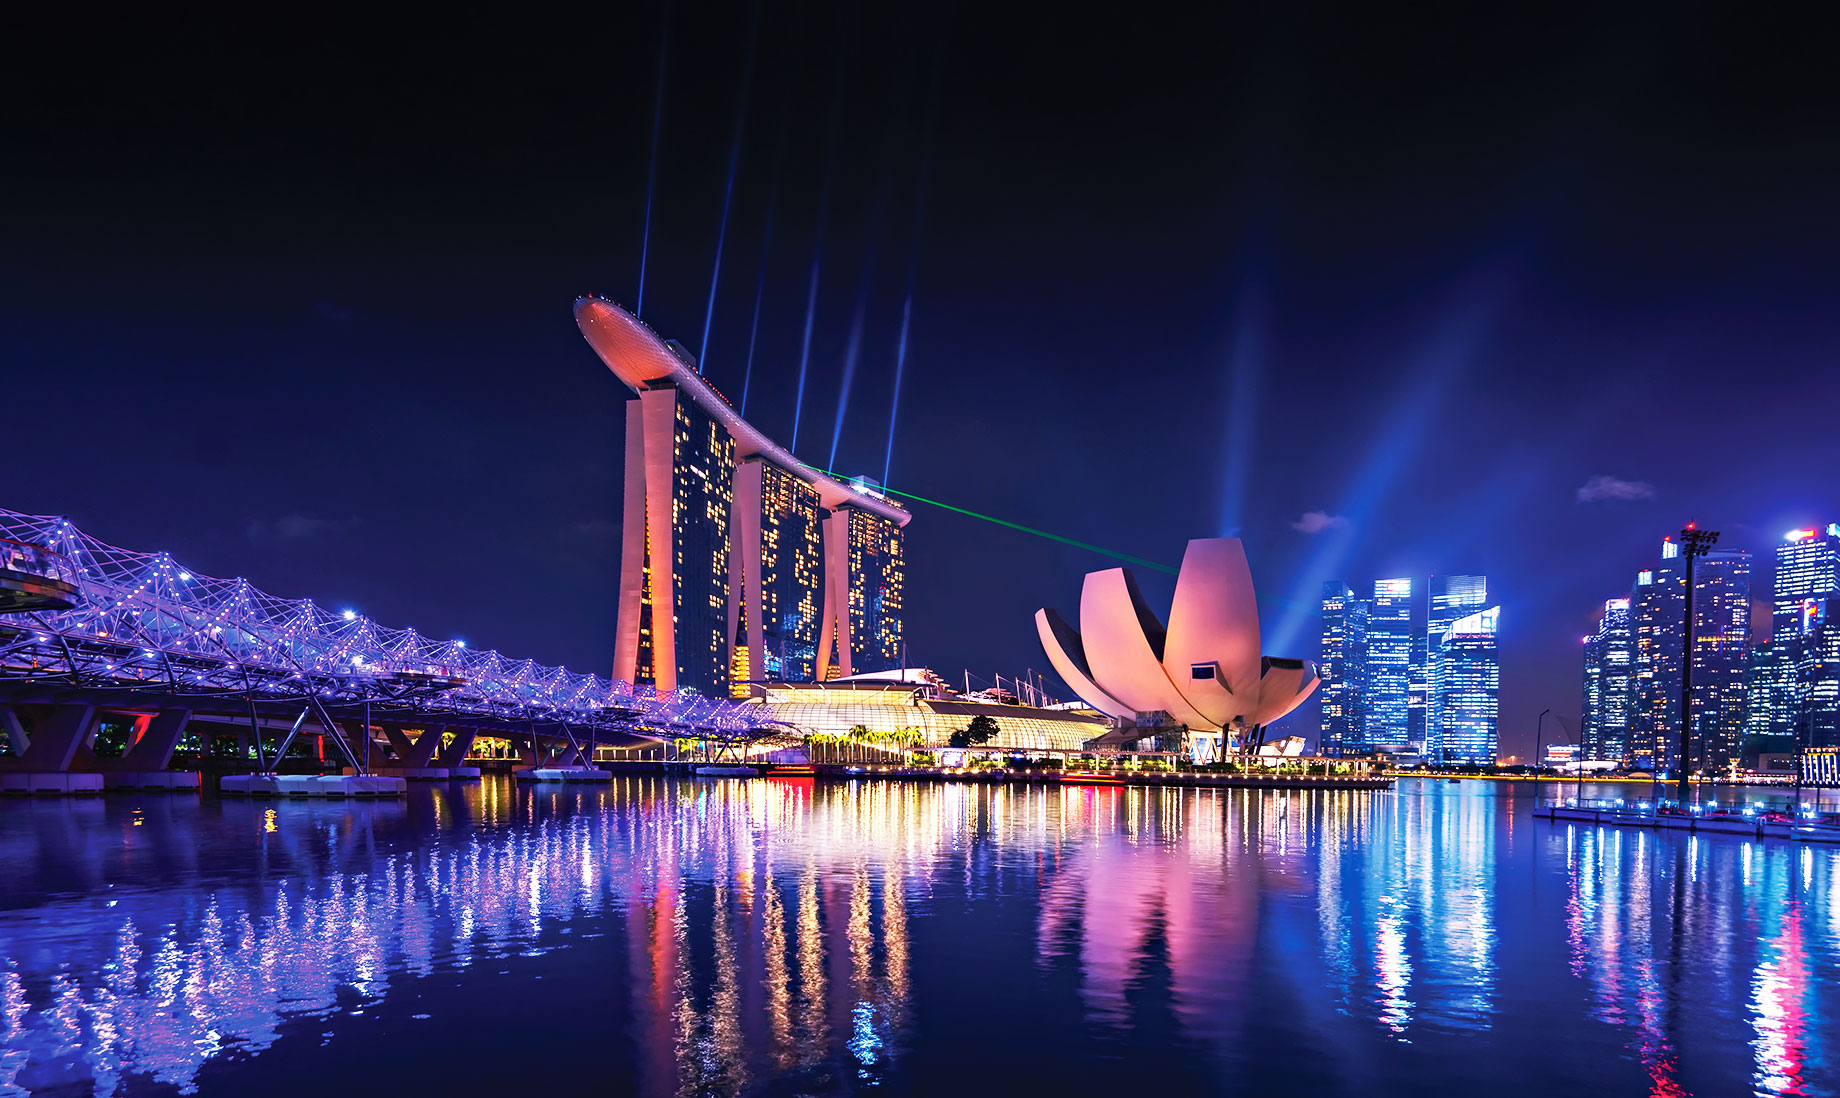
1344,672
1657,619
1609,685
918,709
1721,655
1389,664
755,554
1806,633
776,574
1467,713
1720,652
1450,599
862,618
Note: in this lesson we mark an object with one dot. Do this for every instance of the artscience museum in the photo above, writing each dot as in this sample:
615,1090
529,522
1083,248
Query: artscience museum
1202,678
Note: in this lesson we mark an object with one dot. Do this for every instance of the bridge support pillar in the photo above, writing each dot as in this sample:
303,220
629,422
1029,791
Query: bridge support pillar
16,738
59,737
455,753
153,748
416,753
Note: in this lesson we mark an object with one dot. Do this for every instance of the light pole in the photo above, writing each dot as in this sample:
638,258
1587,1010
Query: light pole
1694,543
1539,750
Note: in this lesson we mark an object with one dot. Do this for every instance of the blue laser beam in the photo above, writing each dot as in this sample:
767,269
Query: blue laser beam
651,172
728,192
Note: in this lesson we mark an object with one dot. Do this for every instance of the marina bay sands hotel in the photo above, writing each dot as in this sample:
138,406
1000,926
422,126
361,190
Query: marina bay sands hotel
737,563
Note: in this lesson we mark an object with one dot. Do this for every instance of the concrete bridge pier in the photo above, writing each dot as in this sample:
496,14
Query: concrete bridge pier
144,764
416,759
44,766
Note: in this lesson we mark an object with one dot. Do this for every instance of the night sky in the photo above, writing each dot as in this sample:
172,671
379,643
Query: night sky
1381,292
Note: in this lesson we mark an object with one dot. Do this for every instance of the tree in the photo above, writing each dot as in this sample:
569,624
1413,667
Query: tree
859,733
981,730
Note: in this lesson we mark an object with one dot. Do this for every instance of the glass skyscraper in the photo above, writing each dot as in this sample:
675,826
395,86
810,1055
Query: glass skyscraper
1451,598
1343,668
1389,665
1720,654
1609,685
1467,714
1805,630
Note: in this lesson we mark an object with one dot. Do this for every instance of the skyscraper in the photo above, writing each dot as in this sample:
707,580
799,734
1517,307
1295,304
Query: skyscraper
1451,598
1805,631
1721,655
1609,685
1389,664
1657,617
1467,713
1343,668
1720,652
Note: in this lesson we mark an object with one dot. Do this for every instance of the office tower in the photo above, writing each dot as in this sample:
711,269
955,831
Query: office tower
1766,693
1451,598
1343,668
1721,655
1657,618
1609,685
1803,629
1467,714
1389,664
1418,690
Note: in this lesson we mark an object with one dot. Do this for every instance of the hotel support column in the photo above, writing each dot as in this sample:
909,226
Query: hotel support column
835,620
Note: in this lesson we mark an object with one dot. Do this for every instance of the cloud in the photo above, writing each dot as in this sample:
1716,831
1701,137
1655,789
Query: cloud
1602,489
1321,522
296,528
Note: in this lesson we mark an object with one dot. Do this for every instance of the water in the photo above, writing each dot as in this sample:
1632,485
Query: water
781,937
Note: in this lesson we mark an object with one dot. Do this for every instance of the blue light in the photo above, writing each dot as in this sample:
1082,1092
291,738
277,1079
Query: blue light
651,172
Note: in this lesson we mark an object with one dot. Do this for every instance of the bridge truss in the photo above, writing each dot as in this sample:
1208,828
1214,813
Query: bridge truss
145,626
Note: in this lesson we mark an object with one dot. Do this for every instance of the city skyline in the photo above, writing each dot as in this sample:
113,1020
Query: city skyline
1480,325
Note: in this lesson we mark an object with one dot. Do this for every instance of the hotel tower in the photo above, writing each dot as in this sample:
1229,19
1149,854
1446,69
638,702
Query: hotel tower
738,563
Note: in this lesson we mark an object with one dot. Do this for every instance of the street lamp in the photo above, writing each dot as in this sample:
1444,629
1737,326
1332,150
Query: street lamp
1539,750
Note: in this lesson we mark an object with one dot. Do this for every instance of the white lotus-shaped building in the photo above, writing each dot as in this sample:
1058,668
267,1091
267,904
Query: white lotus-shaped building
1205,671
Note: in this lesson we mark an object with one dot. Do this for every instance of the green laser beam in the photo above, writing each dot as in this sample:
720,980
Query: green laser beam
1086,545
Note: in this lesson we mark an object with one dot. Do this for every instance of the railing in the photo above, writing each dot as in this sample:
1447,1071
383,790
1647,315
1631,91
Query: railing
145,623
36,560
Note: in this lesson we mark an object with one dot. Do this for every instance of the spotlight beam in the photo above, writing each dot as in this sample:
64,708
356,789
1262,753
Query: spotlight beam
728,193
651,172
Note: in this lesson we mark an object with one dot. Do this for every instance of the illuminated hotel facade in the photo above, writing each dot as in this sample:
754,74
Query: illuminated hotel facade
737,562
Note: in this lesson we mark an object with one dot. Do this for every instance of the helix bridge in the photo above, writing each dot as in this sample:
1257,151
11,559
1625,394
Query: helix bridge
82,621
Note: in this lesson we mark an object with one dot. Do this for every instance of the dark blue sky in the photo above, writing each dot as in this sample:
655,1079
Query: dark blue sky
293,302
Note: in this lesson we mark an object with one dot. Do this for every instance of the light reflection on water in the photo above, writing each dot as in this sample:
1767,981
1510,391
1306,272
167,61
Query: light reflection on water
790,937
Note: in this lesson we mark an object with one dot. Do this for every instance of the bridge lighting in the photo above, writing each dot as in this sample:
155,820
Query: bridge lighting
185,575
351,615
459,644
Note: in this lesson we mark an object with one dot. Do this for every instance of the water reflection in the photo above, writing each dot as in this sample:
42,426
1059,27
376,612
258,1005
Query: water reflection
785,936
